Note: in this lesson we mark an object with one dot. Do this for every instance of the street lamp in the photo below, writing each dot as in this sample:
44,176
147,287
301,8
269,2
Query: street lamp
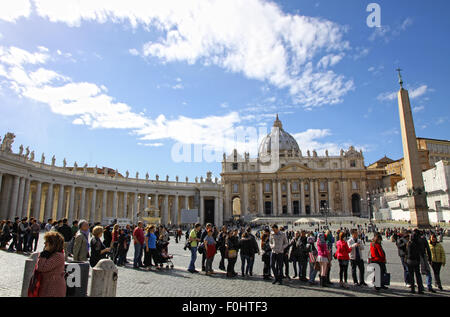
369,204
324,211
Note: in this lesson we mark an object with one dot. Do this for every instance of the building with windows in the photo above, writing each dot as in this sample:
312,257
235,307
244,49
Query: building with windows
284,181
438,150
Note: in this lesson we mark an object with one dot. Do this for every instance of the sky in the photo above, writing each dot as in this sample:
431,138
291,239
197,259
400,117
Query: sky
166,87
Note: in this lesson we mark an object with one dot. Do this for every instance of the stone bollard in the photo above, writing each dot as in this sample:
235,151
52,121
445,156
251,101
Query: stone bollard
30,263
104,279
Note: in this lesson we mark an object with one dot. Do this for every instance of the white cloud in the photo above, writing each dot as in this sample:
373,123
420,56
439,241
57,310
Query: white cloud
151,144
13,9
329,60
413,94
253,37
133,51
418,109
310,140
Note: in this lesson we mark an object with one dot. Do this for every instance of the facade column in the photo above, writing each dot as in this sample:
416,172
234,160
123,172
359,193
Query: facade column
302,196
260,199
26,198
331,196
115,207
289,202
317,196
221,210
60,202
279,199
245,211
365,205
71,213
202,210
274,199
228,210
83,203
216,210
311,197
20,198
1,177
345,197
104,202
93,206
14,198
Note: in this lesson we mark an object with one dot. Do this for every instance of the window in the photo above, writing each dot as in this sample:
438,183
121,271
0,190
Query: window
352,163
267,187
235,188
235,166
335,165
294,187
283,187
306,186
322,186
354,185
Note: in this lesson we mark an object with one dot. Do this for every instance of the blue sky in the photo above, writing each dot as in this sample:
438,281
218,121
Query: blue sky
123,85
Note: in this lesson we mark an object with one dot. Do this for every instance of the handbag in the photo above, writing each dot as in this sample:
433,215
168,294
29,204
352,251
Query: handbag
35,283
232,254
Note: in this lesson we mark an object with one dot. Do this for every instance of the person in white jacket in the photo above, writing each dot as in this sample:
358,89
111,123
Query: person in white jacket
356,258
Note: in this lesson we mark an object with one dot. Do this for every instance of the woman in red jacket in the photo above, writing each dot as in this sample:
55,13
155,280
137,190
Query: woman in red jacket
342,254
51,265
378,256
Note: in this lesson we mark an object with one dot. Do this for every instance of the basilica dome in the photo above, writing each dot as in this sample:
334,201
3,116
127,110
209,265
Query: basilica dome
286,141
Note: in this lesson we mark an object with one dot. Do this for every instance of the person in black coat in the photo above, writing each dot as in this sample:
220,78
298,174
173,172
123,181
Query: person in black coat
413,261
401,240
221,246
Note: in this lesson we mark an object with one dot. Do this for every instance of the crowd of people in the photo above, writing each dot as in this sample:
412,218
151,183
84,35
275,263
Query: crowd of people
316,250
280,249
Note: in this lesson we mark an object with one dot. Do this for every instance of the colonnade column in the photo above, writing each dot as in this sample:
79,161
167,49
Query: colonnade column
104,202
93,206
202,210
71,203
289,203
175,211
14,198
83,203
37,201
115,209
279,201
165,218
19,211
135,208
60,202
125,205
186,202
1,177
26,198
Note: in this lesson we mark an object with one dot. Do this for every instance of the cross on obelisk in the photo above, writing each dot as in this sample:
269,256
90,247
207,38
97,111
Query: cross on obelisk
417,202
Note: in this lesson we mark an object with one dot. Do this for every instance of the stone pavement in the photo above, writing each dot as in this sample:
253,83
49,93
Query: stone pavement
179,282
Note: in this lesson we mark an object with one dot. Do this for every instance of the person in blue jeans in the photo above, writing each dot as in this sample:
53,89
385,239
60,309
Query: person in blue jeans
194,240
138,237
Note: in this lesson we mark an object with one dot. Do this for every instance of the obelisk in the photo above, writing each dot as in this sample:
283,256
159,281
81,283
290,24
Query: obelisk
417,201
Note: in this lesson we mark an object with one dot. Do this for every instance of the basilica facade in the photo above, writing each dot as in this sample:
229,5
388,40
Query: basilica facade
284,181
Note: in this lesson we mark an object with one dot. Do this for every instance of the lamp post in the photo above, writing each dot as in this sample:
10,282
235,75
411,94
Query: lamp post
324,211
369,205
